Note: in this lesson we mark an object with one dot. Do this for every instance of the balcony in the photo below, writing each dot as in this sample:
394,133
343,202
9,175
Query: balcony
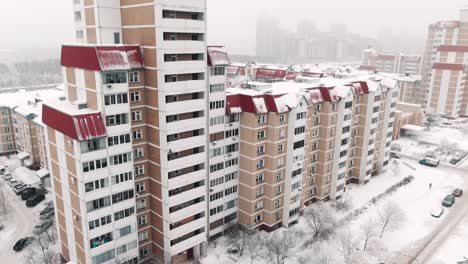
183,106
177,45
188,243
187,196
185,4
113,88
182,180
182,144
187,228
174,23
183,66
187,161
187,211
184,125
184,86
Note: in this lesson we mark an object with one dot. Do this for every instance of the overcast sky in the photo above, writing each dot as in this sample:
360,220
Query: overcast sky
47,23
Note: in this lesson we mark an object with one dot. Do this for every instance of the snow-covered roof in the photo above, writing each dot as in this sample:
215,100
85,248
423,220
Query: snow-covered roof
42,173
218,56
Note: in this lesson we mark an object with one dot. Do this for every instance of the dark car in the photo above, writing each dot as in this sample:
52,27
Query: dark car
36,199
22,243
28,192
47,210
429,162
41,228
457,192
448,201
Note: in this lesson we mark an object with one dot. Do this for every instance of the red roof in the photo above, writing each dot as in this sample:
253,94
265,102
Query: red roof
79,127
102,58
270,73
453,48
217,55
448,66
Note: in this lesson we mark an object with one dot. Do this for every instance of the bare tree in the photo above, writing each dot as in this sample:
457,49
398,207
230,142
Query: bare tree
39,252
255,247
390,216
237,239
320,220
278,246
4,205
347,245
369,231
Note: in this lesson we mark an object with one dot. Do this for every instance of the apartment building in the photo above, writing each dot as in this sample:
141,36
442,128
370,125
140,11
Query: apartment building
223,148
151,94
407,114
303,141
391,63
7,137
445,67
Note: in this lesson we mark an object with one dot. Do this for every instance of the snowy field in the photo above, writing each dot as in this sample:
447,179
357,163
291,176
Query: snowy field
20,220
415,200
22,97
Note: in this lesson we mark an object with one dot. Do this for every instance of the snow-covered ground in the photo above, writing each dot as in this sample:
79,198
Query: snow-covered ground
20,220
22,97
415,199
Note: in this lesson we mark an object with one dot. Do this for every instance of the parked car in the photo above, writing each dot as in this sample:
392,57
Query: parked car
18,189
429,162
36,199
437,211
22,243
7,177
395,155
46,210
457,192
47,216
448,201
28,192
12,182
41,228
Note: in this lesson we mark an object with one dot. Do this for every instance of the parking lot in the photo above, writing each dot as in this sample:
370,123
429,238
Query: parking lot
29,209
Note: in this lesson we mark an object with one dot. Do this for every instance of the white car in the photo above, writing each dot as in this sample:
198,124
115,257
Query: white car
437,211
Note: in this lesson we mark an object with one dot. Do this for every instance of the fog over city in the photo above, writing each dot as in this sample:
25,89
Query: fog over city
27,24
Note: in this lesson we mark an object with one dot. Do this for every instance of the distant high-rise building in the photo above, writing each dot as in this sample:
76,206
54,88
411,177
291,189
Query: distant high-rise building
444,68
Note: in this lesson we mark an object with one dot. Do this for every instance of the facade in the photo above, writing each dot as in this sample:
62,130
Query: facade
410,87
407,114
391,63
445,67
7,137
302,141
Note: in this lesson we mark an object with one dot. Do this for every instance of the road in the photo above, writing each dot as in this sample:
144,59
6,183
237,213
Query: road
421,251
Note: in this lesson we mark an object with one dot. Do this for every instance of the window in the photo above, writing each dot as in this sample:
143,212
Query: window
299,130
216,196
348,104
136,116
117,140
137,134
301,115
259,178
124,248
261,119
279,176
261,150
258,205
217,167
139,170
258,219
216,105
216,88
114,77
297,172
115,120
216,120
259,192
79,34
230,176
261,134
334,107
316,121
232,133
135,97
134,76
346,129
95,185
216,181
231,204
281,133
280,148
299,144
122,177
282,119
142,220
116,38
278,189
216,210
94,165
100,240
141,204
77,16
97,204
122,196
217,71
99,222
143,252
140,187
260,164
142,236
231,162
120,158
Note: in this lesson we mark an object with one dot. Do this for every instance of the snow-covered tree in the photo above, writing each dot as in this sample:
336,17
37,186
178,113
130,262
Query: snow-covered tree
347,245
390,216
368,231
278,246
320,220
237,239
40,252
